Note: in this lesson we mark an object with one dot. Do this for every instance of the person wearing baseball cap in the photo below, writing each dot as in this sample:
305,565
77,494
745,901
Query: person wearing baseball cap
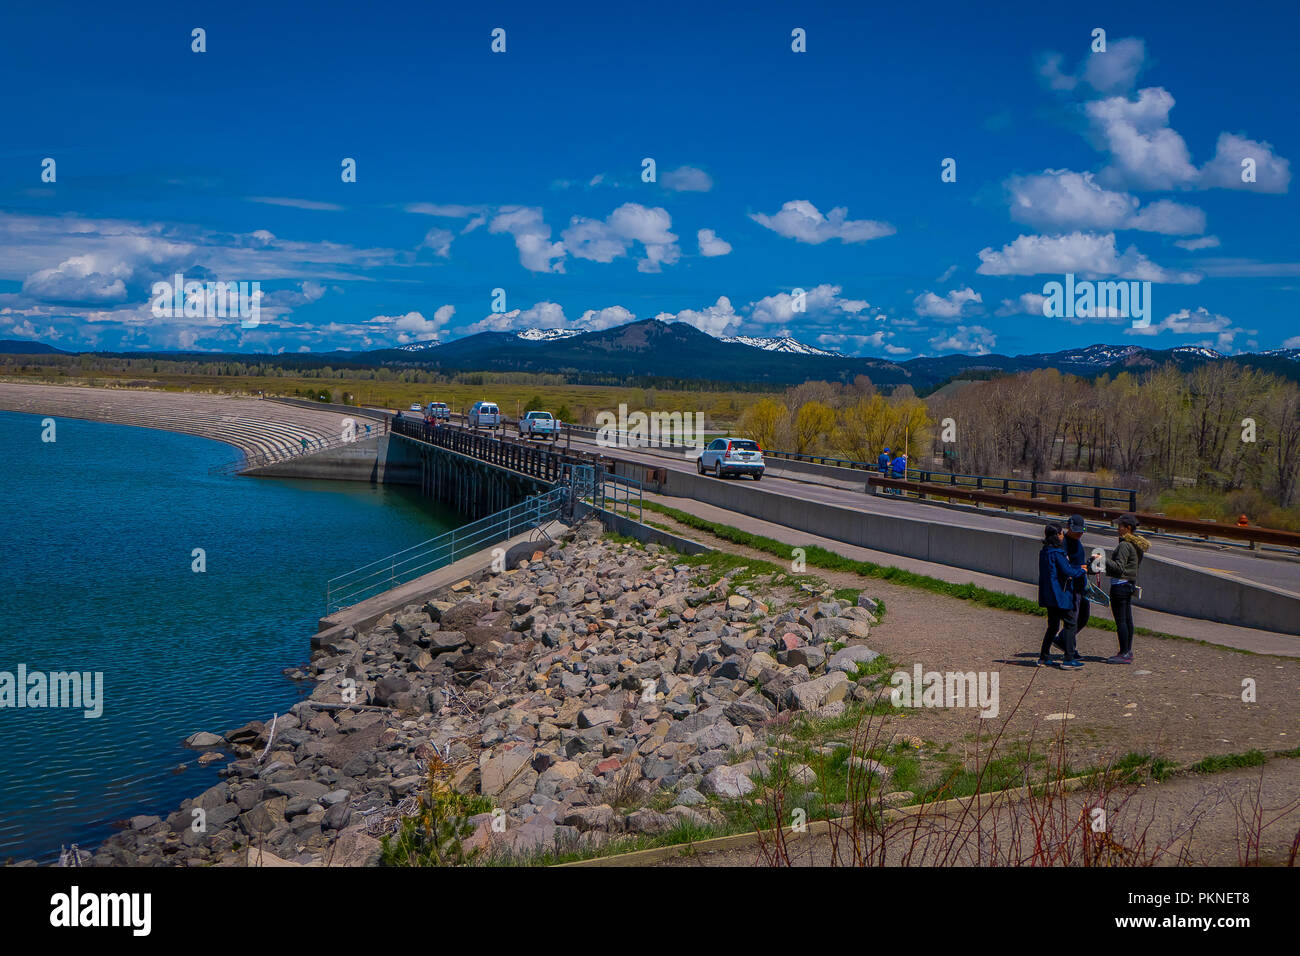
1077,556
1122,565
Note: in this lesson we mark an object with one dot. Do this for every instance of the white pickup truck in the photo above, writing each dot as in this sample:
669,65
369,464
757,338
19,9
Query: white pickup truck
539,425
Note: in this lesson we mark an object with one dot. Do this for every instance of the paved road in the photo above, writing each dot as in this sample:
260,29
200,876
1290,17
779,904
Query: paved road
1267,568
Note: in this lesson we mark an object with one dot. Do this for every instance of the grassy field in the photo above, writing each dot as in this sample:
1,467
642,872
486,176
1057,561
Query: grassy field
1208,504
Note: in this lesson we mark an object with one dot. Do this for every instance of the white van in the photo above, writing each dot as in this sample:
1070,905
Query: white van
484,415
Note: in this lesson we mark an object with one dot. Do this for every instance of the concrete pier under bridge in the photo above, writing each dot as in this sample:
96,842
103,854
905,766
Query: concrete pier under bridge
474,488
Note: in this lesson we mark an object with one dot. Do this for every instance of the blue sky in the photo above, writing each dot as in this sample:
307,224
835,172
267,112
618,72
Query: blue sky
776,171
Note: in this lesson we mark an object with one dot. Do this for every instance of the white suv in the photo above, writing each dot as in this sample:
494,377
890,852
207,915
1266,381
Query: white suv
731,456
484,415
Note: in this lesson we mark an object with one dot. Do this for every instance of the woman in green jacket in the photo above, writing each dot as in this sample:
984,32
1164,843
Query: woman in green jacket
1122,565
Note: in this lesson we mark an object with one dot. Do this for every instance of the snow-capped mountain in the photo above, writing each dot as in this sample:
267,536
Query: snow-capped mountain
420,346
1292,354
1198,350
1096,356
780,344
547,335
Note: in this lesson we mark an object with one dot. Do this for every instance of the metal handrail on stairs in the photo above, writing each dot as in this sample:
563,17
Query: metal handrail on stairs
357,585
288,452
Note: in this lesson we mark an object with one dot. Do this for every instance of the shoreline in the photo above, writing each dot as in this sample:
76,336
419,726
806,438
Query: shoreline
319,785
250,425
159,788
599,694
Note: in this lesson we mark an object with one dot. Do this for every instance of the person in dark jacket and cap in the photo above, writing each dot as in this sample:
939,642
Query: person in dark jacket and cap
1056,593
1077,556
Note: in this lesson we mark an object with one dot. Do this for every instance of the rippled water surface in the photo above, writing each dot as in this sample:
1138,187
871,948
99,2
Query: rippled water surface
97,532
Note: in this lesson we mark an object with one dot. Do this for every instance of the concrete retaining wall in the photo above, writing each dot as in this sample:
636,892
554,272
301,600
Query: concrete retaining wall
376,459
814,469
1167,585
618,524
435,584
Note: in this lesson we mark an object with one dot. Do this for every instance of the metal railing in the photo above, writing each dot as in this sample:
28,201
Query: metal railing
614,492
545,464
345,590
1099,496
643,440
288,451
605,491
1194,528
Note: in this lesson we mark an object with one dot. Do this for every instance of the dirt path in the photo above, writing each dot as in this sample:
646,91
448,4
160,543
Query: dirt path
1192,819
1180,700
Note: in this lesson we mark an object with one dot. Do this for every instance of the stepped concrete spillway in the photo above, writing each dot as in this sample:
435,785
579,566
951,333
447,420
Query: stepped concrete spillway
251,425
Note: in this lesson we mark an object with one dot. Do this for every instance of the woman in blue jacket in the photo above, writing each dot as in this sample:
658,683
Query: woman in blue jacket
1055,574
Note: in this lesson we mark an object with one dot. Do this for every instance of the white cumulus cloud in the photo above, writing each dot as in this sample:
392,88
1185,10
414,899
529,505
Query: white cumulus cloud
948,306
1086,254
973,339
687,179
802,221
711,245
532,238
611,238
717,319
1059,200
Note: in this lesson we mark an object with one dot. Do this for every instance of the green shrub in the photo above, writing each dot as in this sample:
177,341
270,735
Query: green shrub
434,835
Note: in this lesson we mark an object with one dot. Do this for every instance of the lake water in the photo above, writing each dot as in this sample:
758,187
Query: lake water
98,530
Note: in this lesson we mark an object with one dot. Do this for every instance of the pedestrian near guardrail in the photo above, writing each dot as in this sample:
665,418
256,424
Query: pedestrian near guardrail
1122,565
899,469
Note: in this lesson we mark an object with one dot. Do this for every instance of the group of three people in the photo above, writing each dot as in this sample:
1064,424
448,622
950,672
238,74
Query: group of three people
1063,570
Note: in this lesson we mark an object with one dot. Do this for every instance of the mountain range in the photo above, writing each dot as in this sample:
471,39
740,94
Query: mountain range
782,344
650,349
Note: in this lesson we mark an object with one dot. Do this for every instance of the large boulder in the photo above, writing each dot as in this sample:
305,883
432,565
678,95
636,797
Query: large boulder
507,774
847,659
840,629
387,688
728,782
462,616
814,694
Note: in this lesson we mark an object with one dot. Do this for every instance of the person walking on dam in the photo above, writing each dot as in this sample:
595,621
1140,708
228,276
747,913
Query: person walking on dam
1056,593
1122,565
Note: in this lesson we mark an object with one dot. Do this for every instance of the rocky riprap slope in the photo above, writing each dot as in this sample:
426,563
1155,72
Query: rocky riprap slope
595,675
